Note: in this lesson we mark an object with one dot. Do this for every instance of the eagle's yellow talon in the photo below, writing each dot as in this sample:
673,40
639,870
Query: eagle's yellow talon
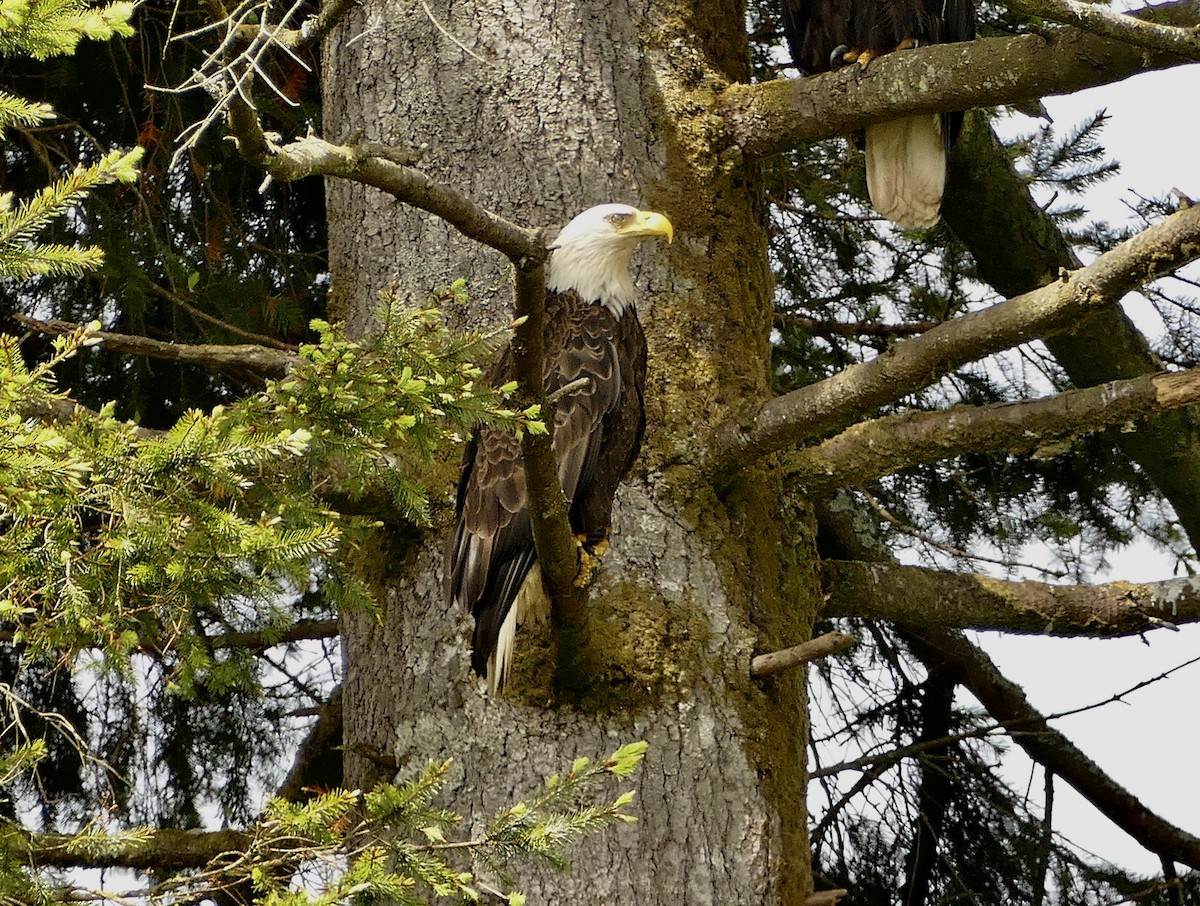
864,59
587,566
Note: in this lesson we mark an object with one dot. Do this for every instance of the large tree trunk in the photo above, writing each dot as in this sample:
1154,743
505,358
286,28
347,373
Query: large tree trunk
569,105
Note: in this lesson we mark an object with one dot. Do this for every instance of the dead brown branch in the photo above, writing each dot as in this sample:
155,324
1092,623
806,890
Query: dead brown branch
241,361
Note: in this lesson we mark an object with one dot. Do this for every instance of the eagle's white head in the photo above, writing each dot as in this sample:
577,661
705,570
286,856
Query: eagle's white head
591,254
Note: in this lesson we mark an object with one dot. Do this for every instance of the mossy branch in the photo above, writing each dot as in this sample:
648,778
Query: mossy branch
877,447
775,116
919,596
908,366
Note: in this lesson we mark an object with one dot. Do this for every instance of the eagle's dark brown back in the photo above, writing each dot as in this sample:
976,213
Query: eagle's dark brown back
597,434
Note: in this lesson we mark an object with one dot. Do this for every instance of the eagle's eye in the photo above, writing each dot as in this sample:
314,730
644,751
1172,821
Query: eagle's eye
618,218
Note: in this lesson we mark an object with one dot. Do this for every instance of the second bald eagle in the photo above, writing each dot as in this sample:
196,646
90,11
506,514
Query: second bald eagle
906,158
590,331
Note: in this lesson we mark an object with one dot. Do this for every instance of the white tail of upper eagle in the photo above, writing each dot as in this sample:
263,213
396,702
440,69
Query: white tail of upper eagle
906,158
590,331
906,169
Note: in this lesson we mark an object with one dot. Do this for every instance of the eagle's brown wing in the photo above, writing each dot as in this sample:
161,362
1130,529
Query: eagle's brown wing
492,550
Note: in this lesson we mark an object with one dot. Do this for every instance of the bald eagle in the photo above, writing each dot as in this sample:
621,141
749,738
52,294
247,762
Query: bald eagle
906,158
591,331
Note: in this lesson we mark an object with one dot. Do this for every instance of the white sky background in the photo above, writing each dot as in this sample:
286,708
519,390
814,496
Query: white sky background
1150,742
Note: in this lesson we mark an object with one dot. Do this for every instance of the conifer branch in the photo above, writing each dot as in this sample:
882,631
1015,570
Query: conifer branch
258,640
854,328
877,447
241,360
1017,246
918,596
770,117
970,667
165,850
908,366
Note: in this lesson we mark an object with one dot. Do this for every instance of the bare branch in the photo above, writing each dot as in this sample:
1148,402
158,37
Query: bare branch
315,28
1006,702
367,164
774,116
238,360
823,646
1016,247
909,366
871,449
855,329
318,761
915,595
826,897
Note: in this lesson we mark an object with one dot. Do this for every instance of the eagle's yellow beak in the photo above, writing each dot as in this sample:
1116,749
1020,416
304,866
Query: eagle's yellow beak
648,223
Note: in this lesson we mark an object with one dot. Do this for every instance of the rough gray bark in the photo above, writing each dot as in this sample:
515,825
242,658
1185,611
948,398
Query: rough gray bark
595,102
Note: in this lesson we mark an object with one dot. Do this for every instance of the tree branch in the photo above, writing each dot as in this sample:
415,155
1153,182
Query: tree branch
557,551
909,366
1098,20
773,662
771,117
259,361
318,761
934,791
871,449
1006,702
301,630
1017,247
374,166
855,329
164,850
919,596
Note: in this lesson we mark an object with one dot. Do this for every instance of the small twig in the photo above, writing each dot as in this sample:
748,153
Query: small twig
175,299
814,649
825,897
567,389
450,37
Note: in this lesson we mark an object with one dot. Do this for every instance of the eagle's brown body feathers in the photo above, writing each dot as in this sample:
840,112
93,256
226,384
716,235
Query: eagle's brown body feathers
590,331
597,434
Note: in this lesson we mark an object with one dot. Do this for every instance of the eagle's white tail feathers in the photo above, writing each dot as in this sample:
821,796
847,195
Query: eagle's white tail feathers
906,170
530,605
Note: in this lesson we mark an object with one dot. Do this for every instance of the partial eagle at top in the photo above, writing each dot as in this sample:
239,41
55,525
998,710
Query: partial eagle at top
590,331
906,158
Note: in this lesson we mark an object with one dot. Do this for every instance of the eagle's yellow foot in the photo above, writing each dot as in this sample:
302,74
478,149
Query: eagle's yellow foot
864,58
587,566
589,559
906,44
